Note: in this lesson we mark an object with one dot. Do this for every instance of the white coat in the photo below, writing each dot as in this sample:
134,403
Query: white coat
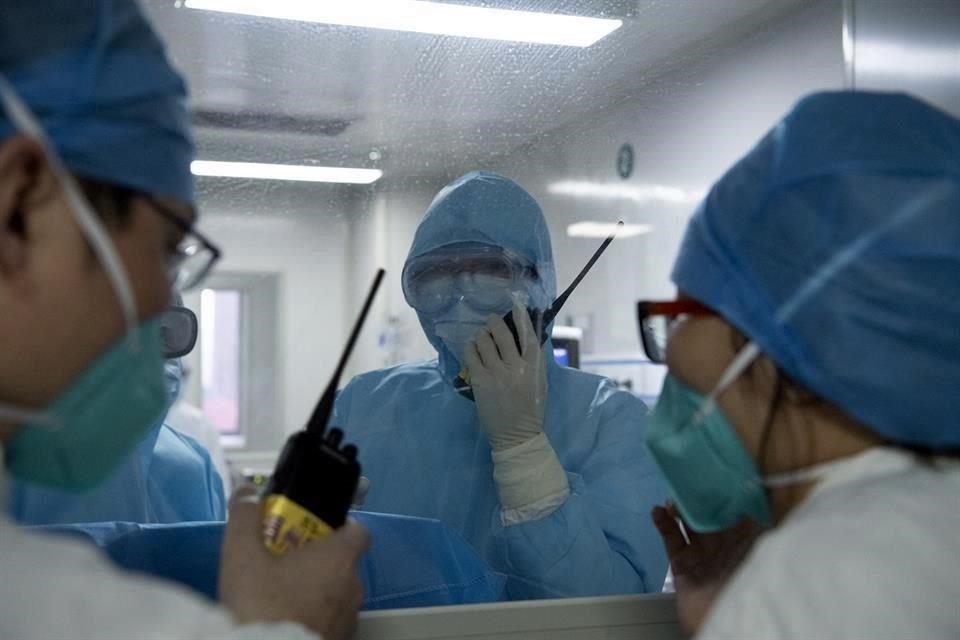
53,587
873,552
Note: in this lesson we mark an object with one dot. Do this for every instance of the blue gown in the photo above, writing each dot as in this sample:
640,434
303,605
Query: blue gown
169,478
423,449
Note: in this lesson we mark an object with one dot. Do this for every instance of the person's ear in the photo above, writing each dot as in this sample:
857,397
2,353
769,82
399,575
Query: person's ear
26,181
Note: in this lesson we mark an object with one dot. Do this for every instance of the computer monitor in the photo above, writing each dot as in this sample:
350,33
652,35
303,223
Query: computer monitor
561,355
566,345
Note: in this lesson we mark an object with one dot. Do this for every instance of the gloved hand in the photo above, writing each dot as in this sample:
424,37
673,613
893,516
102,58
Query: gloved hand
510,387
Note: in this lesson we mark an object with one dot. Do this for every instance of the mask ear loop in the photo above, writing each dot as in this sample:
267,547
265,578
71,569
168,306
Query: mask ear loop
25,122
734,370
816,472
94,231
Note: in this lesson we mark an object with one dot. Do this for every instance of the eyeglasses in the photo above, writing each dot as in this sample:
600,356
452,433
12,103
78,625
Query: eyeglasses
656,320
195,255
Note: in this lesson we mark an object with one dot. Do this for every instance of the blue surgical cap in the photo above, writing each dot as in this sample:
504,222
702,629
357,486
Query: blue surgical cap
97,78
835,246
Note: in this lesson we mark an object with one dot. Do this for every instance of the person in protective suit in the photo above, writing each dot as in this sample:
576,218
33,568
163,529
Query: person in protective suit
545,473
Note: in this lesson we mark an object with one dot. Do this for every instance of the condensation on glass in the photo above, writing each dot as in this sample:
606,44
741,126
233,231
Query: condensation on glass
688,86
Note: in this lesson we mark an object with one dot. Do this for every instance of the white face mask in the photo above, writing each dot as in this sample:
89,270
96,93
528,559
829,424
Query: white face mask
462,323
458,328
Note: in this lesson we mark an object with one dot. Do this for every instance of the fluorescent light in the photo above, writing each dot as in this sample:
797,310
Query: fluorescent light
428,17
301,173
604,229
899,59
639,193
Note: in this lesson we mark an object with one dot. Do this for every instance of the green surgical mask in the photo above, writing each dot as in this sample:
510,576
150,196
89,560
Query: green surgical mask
712,478
100,418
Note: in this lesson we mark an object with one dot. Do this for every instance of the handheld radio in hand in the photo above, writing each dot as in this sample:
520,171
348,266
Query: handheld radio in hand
312,487
541,319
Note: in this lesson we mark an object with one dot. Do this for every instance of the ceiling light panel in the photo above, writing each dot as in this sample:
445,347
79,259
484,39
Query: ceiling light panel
429,17
298,173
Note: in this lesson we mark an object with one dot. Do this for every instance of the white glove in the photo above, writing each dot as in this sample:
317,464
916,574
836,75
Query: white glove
510,389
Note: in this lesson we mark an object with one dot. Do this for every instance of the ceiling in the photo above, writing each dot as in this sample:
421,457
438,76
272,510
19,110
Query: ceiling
282,91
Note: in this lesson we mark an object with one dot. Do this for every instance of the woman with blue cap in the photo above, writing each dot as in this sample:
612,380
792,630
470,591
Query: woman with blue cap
814,381
96,223
543,472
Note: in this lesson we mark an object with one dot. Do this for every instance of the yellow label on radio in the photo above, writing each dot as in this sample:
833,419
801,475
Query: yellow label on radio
287,525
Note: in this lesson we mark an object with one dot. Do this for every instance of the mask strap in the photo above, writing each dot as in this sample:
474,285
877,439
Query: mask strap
35,417
91,227
809,474
733,371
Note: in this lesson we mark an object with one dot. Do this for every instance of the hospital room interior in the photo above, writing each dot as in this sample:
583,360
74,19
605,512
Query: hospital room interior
439,140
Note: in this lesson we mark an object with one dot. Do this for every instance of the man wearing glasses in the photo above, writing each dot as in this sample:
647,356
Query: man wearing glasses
96,223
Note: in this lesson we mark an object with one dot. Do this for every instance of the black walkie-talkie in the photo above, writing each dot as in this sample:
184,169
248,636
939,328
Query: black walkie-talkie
314,482
541,319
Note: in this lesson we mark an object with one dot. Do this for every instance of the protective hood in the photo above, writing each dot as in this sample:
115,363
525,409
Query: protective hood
486,208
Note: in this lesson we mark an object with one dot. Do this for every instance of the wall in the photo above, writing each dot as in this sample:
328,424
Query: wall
380,237
300,233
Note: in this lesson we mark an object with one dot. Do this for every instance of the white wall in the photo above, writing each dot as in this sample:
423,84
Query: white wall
380,236
301,234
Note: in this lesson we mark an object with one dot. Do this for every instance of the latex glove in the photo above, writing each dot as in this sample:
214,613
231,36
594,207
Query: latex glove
510,387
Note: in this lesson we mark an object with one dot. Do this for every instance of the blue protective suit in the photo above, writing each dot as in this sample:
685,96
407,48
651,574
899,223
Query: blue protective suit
422,446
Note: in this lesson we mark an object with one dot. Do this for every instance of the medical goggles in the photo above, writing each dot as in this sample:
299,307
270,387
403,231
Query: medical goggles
178,331
486,278
656,320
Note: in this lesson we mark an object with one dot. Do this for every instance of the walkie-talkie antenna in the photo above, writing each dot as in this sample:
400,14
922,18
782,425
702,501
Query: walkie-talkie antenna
321,414
554,309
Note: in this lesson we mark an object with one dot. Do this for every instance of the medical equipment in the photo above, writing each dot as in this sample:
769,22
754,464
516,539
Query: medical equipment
315,479
566,345
541,319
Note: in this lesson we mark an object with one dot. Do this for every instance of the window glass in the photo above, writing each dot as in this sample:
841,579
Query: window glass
220,357
347,127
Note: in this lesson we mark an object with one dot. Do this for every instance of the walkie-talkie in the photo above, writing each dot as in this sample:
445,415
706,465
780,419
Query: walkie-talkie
541,319
314,482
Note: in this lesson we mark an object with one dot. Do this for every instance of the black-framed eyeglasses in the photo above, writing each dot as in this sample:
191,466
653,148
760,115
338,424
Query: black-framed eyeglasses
656,318
195,256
